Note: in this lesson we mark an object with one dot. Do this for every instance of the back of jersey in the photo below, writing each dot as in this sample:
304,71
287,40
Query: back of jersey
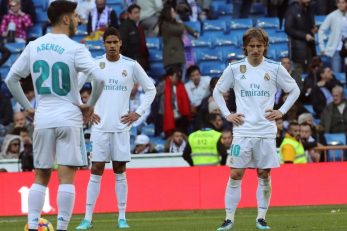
52,63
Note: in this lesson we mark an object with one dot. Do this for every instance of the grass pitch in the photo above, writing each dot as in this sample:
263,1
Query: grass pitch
315,218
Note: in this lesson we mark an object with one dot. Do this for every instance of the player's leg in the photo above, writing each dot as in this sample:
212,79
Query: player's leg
37,197
240,159
100,155
71,154
121,155
43,152
263,197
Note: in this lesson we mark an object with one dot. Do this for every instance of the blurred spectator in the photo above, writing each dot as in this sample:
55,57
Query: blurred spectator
324,7
3,170
291,149
143,145
281,132
5,54
84,8
287,64
85,93
334,115
136,97
101,17
213,108
11,147
300,27
150,11
227,138
176,142
321,94
187,10
277,8
6,112
133,37
197,87
25,156
241,8
316,131
312,78
294,111
216,121
172,31
27,6
309,142
19,120
15,23
205,147
174,106
335,28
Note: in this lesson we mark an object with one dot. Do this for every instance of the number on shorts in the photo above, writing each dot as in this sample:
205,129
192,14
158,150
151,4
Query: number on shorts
60,78
235,150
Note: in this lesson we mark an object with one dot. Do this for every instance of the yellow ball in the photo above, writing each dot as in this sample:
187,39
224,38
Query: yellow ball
44,225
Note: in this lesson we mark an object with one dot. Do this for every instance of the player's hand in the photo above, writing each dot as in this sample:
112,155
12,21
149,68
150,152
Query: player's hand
130,118
237,118
273,114
30,113
87,112
95,119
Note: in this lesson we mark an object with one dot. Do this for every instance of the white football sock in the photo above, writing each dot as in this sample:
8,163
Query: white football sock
65,202
92,195
36,201
122,194
232,198
263,196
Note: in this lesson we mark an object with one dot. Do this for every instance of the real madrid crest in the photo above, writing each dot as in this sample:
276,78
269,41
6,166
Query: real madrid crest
124,73
102,65
243,69
267,76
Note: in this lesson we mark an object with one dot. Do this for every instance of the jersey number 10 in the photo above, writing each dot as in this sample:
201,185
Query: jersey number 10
60,82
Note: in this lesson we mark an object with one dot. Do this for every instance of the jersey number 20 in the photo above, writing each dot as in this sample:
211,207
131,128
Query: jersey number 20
60,82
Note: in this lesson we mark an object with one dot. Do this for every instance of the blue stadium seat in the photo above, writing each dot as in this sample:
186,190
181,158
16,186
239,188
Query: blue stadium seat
226,40
153,43
217,26
241,23
203,41
281,50
148,130
258,9
212,68
196,26
94,45
35,31
115,2
97,53
278,37
319,19
40,4
82,30
4,71
117,8
231,53
15,48
272,53
41,15
158,143
156,70
345,92
263,22
207,54
155,55
225,11
335,139
341,76
310,109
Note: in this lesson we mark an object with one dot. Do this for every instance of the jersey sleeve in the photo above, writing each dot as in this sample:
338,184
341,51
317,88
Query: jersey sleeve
84,61
147,85
226,81
21,67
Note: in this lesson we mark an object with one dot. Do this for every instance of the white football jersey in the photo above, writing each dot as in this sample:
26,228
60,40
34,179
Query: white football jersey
255,89
114,102
53,61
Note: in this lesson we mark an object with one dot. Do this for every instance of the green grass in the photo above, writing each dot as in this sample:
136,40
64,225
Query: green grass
317,218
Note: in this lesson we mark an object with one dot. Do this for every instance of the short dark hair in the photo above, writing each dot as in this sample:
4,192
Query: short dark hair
59,8
191,69
111,31
18,130
293,123
133,6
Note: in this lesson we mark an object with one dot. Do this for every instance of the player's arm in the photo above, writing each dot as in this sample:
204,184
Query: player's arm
225,82
147,85
20,69
288,84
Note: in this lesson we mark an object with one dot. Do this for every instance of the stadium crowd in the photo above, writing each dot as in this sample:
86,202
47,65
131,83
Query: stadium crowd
164,37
